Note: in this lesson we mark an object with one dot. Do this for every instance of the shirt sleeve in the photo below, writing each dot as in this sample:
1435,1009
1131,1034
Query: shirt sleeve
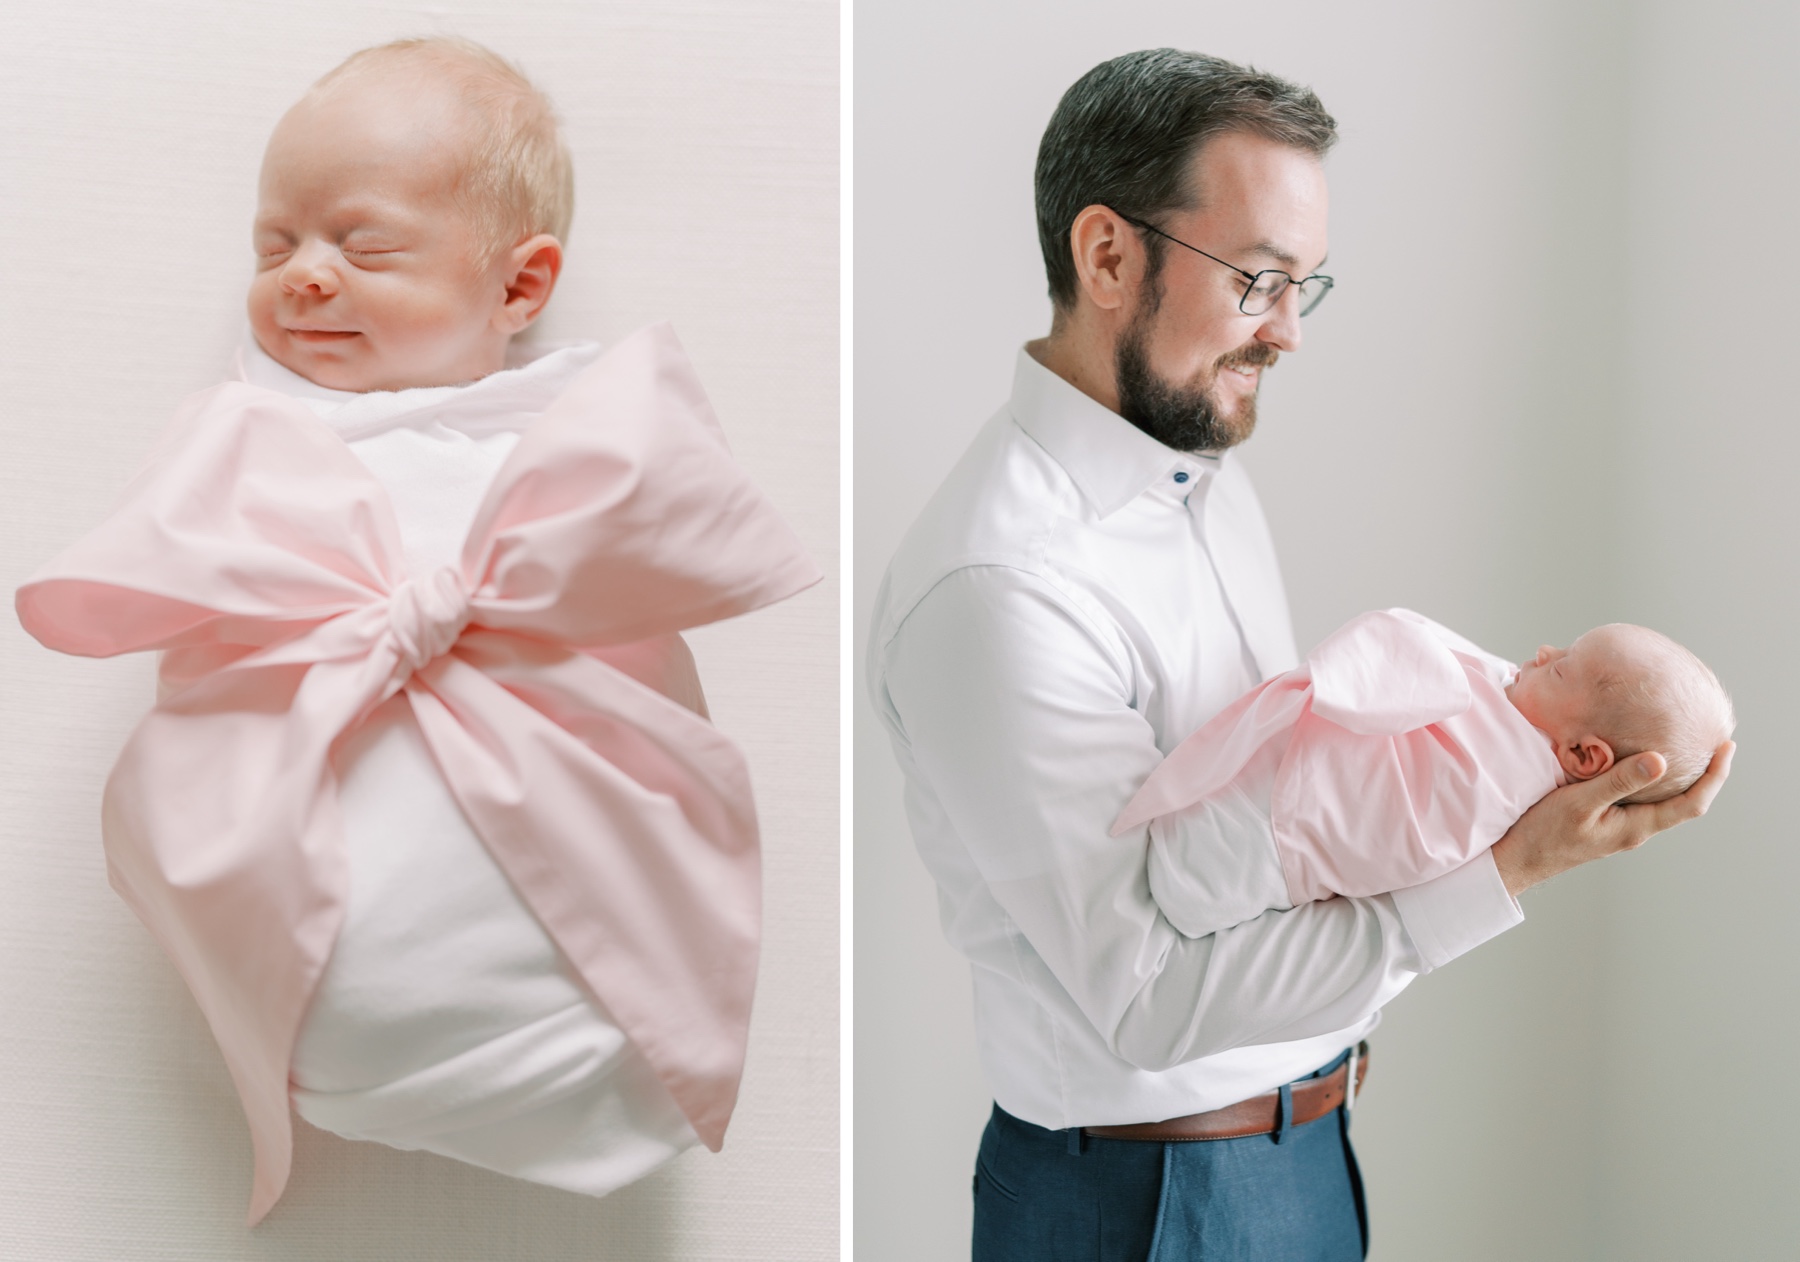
1017,707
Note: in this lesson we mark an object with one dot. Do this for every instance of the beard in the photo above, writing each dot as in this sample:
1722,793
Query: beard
1186,417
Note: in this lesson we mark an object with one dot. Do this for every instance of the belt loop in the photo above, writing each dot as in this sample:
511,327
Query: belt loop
1076,1138
1355,1054
1287,1112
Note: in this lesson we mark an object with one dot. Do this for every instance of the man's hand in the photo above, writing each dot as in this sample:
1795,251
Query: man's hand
1579,823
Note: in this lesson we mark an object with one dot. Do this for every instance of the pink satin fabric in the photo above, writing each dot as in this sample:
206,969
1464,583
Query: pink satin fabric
259,552
1406,758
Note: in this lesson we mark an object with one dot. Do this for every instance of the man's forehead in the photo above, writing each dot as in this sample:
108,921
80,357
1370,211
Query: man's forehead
1261,199
1279,254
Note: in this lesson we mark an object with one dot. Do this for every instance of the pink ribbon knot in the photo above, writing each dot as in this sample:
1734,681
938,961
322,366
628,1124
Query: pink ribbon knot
264,560
425,617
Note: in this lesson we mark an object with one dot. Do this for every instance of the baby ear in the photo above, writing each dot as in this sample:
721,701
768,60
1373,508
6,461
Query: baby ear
1586,758
532,267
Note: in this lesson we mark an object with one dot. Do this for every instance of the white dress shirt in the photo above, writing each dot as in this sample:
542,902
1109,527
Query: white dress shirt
1074,600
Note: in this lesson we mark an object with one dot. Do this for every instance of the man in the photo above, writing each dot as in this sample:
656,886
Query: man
1091,583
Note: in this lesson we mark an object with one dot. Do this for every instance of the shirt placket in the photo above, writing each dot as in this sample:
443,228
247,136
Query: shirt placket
1198,478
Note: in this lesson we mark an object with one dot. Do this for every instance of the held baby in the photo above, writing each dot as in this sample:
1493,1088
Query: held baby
1404,734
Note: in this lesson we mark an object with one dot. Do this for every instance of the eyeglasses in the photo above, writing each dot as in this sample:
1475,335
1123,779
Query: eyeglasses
1265,287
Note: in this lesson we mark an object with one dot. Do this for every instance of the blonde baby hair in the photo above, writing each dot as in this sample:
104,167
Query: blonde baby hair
1666,699
518,180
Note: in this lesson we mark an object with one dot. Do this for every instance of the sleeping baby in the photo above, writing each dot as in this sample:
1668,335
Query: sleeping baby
429,813
1399,751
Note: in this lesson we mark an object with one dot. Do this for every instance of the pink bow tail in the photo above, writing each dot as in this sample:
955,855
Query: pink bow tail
1207,760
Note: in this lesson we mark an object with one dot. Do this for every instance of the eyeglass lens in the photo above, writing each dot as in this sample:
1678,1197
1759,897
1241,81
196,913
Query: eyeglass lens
1266,290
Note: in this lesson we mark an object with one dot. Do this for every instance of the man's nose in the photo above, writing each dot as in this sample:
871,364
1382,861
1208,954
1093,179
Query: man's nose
309,269
1281,324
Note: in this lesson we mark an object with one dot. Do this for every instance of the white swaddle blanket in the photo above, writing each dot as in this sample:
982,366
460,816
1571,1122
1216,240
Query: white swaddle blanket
447,1020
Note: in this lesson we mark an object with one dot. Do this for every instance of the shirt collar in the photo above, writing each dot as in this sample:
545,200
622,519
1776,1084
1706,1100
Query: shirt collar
1110,460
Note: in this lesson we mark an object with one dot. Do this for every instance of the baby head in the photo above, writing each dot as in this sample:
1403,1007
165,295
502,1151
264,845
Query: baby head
1621,690
410,218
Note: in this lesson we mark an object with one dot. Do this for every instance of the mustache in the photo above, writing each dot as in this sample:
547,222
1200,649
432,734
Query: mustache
1255,355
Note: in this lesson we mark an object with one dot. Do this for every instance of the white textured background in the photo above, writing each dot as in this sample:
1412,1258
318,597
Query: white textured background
706,139
1554,387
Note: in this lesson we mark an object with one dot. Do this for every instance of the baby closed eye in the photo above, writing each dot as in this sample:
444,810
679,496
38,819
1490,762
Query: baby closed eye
366,260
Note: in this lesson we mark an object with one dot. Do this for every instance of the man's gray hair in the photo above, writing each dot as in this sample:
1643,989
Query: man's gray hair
1124,134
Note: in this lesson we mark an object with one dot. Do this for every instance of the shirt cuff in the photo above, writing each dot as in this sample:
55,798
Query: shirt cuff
1458,911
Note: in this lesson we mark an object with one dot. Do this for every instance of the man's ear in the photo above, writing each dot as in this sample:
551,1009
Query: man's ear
531,269
1586,758
1110,259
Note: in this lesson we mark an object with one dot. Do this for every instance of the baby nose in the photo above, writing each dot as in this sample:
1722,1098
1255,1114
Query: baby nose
426,616
306,269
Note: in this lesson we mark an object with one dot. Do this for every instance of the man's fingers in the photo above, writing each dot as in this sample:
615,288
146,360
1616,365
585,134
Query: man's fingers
1609,826
1699,796
1633,774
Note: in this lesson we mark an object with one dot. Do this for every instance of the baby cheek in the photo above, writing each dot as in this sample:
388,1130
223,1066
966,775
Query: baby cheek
429,312
260,306
258,303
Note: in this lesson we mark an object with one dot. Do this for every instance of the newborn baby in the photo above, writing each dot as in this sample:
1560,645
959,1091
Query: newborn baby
509,914
1398,752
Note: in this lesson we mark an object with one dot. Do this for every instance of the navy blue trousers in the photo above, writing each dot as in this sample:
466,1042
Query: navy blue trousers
1046,1196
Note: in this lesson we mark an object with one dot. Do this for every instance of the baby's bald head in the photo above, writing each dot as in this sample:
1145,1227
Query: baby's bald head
1622,690
513,175
1650,693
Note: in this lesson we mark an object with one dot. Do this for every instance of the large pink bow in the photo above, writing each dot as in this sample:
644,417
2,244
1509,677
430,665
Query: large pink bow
261,553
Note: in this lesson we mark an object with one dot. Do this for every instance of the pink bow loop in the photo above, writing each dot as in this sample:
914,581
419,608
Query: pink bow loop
250,523
555,543
257,549
1384,673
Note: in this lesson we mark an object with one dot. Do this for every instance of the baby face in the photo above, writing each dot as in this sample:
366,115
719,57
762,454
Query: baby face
369,274
1555,689
1558,692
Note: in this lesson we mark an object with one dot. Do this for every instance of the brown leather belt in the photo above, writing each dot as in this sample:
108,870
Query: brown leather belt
1312,1098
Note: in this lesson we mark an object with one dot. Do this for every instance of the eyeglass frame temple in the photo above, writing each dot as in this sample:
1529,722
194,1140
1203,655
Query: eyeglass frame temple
1251,277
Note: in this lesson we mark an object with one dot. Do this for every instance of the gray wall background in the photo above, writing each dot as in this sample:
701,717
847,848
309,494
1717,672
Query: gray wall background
706,149
1551,390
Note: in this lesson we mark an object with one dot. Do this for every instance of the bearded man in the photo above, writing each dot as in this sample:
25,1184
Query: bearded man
1091,583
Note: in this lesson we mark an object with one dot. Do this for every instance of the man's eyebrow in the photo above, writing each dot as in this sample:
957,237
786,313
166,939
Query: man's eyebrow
1268,249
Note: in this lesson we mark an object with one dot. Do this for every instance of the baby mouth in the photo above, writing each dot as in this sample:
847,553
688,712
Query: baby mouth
322,335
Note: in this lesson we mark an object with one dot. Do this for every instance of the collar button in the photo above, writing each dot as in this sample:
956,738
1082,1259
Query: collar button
1181,476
